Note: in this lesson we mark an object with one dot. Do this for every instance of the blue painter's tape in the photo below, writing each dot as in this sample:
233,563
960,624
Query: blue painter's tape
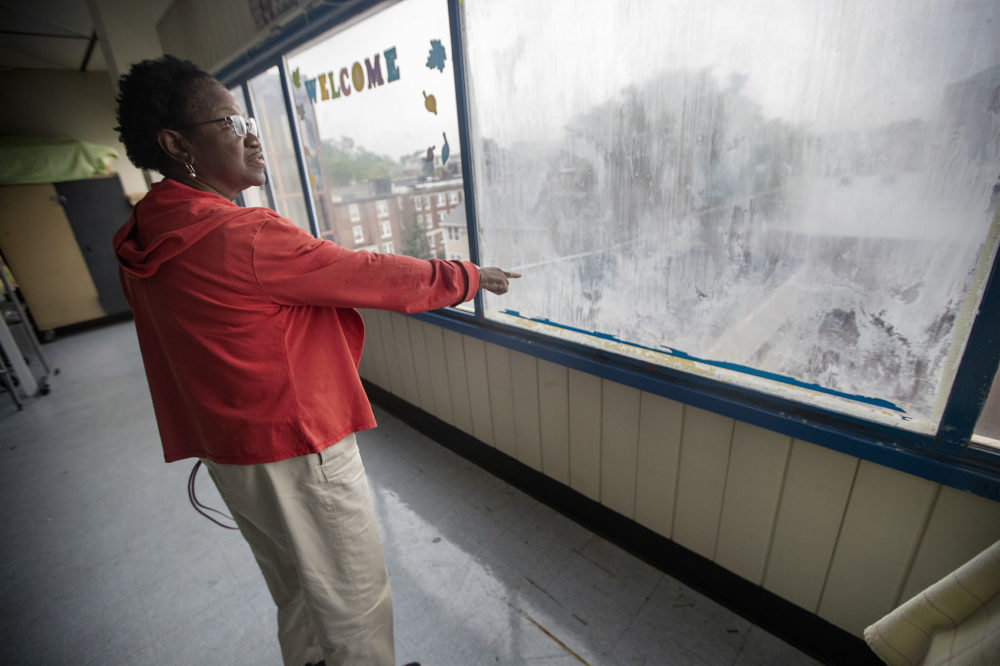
745,369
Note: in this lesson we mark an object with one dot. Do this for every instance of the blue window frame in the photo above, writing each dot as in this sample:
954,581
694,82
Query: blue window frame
946,454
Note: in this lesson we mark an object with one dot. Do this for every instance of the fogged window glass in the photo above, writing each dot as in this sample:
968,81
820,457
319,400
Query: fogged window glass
798,191
276,136
376,105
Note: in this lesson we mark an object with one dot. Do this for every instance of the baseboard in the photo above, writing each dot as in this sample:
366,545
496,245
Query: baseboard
806,631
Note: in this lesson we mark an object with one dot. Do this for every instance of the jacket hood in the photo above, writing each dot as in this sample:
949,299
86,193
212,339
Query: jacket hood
167,221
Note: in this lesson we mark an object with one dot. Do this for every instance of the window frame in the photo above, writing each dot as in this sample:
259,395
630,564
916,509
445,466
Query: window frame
948,456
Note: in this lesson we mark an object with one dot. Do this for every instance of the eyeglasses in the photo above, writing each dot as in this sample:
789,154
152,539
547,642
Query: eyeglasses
240,124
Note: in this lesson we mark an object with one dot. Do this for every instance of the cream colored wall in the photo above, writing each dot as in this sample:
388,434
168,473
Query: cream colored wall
78,104
844,538
212,34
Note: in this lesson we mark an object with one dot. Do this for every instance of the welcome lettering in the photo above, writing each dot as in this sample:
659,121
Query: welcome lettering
352,79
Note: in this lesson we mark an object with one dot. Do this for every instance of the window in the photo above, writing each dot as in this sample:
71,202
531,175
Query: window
454,233
441,216
282,166
399,203
420,220
386,228
253,196
430,220
381,92
442,199
354,212
805,226
453,197
387,248
359,234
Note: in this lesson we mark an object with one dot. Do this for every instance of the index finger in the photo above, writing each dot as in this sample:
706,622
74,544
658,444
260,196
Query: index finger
511,275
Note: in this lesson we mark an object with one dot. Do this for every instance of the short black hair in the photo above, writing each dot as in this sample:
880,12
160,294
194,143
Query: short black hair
153,96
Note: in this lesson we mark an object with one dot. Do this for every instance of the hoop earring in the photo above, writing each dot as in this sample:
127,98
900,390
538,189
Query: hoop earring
190,169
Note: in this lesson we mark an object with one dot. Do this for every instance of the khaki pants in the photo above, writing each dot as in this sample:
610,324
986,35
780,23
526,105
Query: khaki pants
310,524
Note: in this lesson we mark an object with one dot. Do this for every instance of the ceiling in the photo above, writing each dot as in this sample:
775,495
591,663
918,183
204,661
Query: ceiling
54,34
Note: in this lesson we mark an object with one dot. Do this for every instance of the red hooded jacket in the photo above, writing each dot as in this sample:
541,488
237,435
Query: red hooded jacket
247,325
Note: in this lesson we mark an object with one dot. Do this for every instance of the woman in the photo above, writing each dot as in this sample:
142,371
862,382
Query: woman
251,343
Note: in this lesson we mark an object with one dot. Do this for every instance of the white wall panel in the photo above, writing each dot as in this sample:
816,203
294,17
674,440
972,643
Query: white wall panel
479,390
501,398
369,357
524,378
404,359
886,515
438,362
705,445
817,485
421,364
553,407
757,464
458,381
585,434
392,374
619,446
961,526
658,460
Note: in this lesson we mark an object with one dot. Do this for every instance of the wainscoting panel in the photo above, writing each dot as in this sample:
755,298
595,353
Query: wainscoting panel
816,489
754,482
553,408
619,446
658,460
886,516
527,428
705,444
585,434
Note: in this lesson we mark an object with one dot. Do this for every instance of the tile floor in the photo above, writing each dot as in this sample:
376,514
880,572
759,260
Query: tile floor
105,562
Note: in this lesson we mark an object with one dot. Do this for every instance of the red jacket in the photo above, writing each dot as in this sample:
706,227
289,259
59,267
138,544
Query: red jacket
247,325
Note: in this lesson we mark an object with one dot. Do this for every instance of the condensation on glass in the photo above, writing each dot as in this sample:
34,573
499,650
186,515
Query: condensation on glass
777,190
279,152
376,111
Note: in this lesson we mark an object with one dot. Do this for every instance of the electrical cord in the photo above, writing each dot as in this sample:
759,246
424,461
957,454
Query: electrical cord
201,508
